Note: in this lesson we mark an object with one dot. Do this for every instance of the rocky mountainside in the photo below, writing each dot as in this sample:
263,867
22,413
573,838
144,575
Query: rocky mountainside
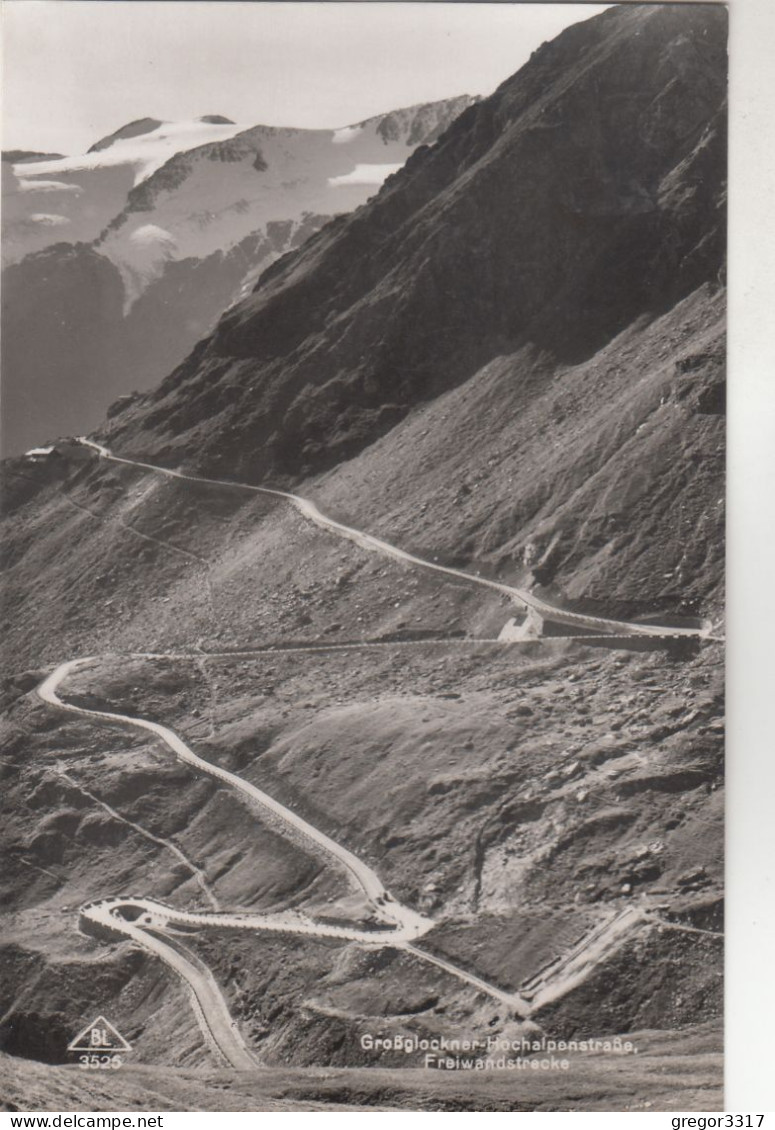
208,199
531,268
70,348
180,219
510,361
19,156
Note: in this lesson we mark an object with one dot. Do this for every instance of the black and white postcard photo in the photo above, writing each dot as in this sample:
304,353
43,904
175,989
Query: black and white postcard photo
362,557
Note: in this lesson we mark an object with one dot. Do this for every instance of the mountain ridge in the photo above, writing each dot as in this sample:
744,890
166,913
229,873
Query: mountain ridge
131,129
478,294
188,240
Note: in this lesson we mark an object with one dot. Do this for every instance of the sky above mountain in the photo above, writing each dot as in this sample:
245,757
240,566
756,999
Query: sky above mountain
77,70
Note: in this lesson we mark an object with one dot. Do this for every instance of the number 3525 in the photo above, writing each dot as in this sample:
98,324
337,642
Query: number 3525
99,1062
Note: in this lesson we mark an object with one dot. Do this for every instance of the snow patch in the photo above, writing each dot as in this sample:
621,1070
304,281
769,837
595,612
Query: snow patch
348,133
48,220
150,235
146,251
27,185
144,153
364,174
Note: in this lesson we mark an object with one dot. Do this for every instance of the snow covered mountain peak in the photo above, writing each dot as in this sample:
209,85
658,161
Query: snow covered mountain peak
144,146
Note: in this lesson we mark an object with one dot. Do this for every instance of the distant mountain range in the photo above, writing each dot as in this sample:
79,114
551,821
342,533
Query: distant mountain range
119,260
508,363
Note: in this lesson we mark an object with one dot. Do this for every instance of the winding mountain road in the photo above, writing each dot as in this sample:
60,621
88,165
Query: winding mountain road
523,597
154,925
406,922
220,1032
142,919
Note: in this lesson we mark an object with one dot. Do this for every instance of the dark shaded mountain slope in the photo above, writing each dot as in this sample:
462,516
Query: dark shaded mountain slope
49,343
69,348
17,156
131,129
548,214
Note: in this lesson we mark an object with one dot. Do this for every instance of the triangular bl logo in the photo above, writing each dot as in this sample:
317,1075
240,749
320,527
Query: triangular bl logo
99,1036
